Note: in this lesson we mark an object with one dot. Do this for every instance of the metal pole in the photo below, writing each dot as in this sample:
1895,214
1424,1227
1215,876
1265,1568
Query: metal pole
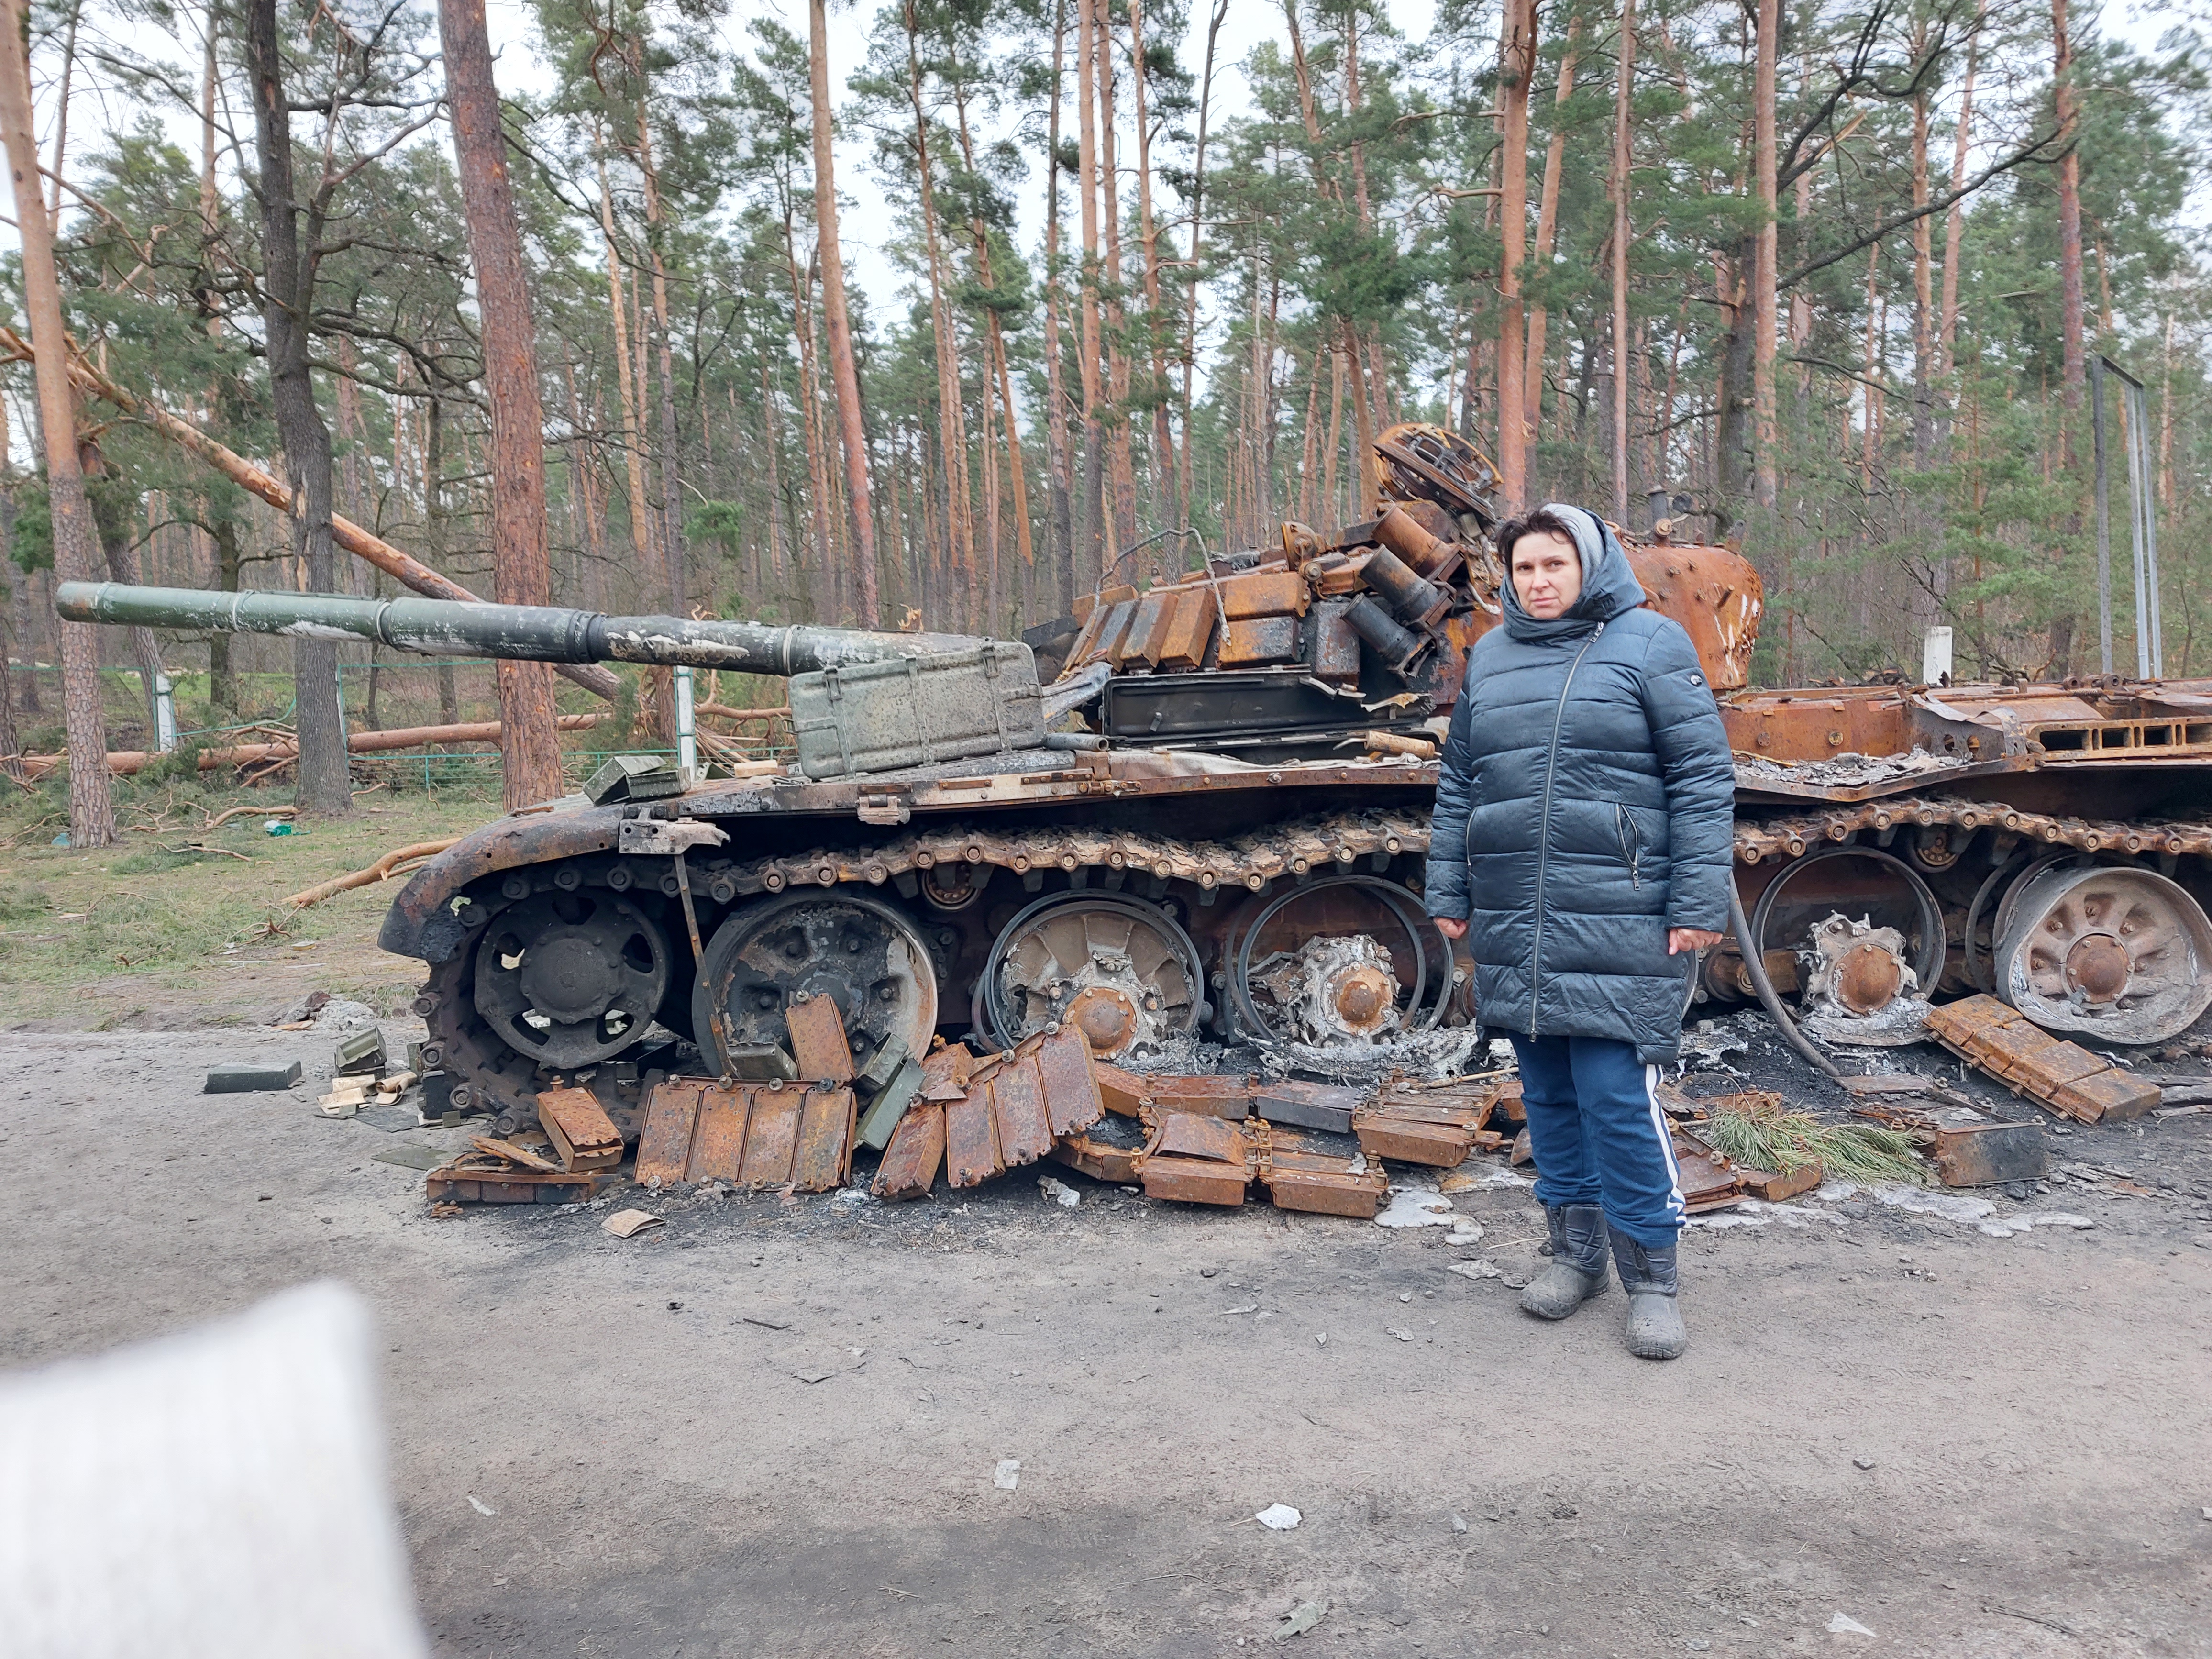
2147,515
687,735
2103,519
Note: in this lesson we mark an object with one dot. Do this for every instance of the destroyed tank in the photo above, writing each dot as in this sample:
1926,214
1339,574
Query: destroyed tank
1224,840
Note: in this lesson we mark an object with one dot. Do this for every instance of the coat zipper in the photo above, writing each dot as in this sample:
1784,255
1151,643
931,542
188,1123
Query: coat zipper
1544,824
1631,846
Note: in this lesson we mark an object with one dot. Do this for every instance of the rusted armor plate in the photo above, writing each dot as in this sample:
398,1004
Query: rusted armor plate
748,1137
909,1166
817,1028
1302,1172
945,1072
579,1130
2065,1077
1194,1134
1024,1133
1992,1154
971,1139
1707,1179
1193,1180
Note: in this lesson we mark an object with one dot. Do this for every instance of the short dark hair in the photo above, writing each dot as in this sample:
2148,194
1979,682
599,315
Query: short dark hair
1540,519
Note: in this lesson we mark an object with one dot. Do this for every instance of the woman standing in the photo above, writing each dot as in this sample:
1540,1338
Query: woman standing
1582,843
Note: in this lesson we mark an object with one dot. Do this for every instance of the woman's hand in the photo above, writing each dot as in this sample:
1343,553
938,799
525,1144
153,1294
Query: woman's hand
1452,927
1680,940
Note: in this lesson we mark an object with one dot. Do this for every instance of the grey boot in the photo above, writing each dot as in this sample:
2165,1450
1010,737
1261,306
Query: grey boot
1654,1312
1576,1270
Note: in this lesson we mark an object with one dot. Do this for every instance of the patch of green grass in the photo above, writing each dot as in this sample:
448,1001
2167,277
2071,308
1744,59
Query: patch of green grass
19,901
1757,1131
79,918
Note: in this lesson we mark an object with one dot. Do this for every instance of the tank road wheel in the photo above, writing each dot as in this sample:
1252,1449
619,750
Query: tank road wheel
2115,950
1340,961
860,952
1862,978
1121,970
571,978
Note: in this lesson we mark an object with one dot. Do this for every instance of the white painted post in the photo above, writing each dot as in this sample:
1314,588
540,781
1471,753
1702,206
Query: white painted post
686,739
1936,656
165,715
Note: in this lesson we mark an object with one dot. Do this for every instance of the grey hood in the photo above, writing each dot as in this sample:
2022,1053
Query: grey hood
1609,587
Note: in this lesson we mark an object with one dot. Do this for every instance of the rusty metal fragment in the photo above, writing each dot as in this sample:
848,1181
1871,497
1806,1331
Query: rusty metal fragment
1300,1172
1706,1178
1107,1151
817,1028
771,1136
1436,1127
579,1130
1199,1158
945,1072
2063,1076
1992,1154
478,1177
1068,1076
1308,1105
971,1139
917,1148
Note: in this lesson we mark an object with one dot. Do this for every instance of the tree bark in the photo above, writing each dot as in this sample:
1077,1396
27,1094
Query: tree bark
1163,467
324,782
1923,287
1516,63
951,417
1623,110
1122,465
1766,269
1092,541
1055,426
1197,241
1547,227
852,428
530,752
2073,363
92,818
1954,220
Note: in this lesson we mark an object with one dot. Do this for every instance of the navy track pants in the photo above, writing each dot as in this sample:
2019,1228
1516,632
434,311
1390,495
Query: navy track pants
1599,1136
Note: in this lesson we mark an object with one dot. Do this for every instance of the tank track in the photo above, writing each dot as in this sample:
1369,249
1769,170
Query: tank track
504,1083
1795,834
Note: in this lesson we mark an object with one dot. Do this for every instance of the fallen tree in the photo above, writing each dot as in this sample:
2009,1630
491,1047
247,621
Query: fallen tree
403,568
125,763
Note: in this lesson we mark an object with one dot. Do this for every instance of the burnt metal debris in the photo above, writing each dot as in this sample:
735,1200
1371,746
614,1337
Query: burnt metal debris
1190,819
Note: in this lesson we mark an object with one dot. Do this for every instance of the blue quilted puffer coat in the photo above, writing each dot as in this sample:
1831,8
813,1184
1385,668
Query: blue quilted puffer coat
1582,810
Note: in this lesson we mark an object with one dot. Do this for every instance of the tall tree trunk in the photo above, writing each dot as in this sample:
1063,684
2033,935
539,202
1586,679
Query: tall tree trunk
1954,221
92,819
433,536
852,428
1121,463
1093,537
529,751
2073,361
1766,271
1623,114
1547,228
671,460
952,419
112,525
817,459
1517,64
1189,349
1055,426
324,781
632,436
1923,287
1162,468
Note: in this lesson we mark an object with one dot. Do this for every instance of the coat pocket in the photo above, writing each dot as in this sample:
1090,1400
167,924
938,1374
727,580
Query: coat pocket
1631,844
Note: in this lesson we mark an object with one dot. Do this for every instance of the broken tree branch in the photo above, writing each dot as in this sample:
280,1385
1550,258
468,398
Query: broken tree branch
403,568
383,870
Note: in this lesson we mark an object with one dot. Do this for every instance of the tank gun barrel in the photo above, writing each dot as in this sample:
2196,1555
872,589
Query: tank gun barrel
527,632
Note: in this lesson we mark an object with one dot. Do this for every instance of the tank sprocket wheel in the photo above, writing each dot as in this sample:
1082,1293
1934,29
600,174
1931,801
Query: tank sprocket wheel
488,1076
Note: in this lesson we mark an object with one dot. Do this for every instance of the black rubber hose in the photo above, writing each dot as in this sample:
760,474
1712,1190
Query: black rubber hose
1765,986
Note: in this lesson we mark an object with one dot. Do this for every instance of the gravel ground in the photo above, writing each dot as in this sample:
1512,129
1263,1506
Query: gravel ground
1967,1444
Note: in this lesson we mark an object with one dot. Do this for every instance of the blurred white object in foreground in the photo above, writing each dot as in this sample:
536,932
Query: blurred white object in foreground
220,1491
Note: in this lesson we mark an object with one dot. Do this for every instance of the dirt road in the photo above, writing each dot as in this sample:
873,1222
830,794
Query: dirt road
1968,1445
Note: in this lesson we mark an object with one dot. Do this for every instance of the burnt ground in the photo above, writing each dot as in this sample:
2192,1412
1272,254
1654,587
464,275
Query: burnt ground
1968,1444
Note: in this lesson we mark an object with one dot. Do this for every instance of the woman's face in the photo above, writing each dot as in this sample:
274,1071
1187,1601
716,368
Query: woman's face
1548,573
